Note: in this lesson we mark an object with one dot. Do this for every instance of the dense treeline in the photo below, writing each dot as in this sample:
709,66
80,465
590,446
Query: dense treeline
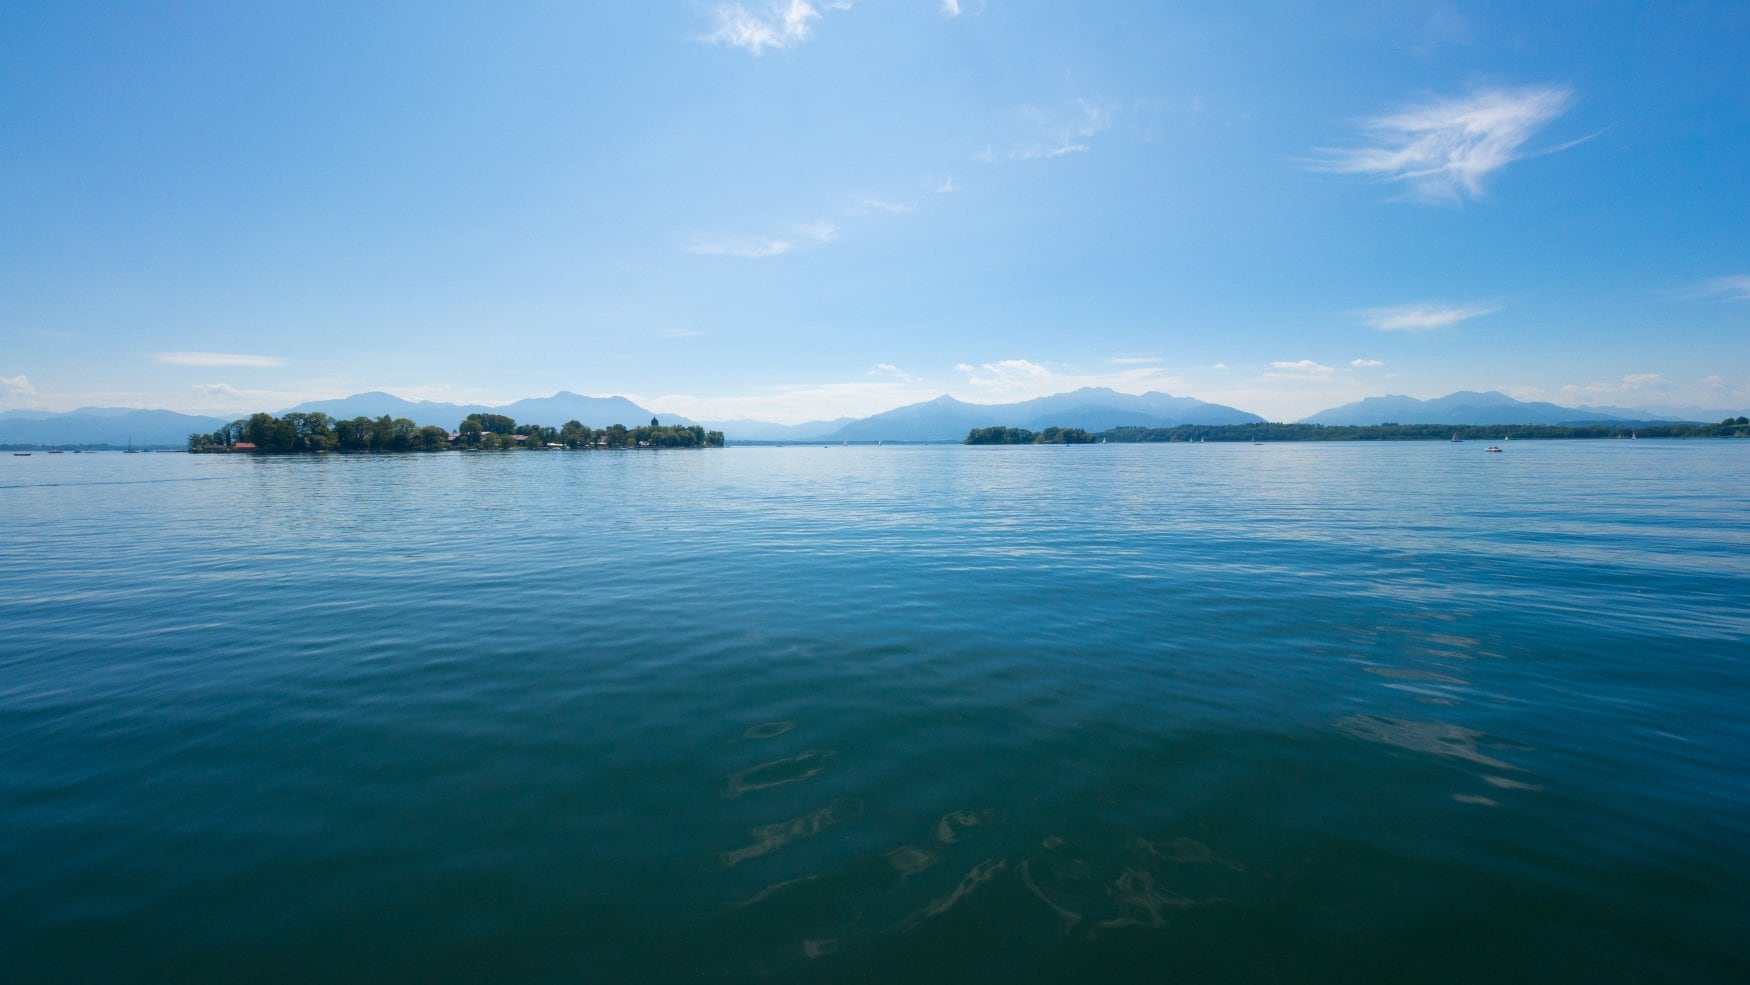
294,433
1732,427
1022,436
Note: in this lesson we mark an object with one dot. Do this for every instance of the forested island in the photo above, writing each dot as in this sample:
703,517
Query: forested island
297,433
1732,427
1022,436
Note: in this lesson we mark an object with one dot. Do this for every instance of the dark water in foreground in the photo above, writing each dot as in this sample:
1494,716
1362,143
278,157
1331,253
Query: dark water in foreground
1143,713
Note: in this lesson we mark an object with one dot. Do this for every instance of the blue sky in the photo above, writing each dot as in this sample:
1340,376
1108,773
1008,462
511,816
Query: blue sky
802,210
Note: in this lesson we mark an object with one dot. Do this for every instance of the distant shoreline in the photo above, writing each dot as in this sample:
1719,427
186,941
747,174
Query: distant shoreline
1734,428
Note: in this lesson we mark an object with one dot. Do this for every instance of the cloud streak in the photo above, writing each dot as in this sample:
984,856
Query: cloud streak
215,360
1443,150
779,26
1422,317
800,237
1021,379
1054,133
1733,288
1642,390
868,203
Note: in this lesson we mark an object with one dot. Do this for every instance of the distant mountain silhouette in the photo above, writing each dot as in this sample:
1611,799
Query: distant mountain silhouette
1092,408
106,426
1466,407
376,403
596,412
746,430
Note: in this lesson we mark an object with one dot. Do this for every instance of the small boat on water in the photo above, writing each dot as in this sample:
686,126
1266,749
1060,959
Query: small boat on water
21,454
1493,448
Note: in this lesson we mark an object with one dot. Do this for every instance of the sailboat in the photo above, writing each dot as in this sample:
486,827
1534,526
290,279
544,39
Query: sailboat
131,449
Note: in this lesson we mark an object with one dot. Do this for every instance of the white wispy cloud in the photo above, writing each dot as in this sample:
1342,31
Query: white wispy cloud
207,392
680,333
1300,369
16,389
1022,379
872,203
951,7
889,371
1733,288
1005,376
940,186
1053,132
1365,363
1442,150
777,25
799,237
1648,389
1423,317
224,398
214,360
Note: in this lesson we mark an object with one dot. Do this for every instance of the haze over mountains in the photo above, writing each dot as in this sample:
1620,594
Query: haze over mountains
941,419
1471,407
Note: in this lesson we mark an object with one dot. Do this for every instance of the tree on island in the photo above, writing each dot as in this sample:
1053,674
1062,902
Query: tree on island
294,433
1022,436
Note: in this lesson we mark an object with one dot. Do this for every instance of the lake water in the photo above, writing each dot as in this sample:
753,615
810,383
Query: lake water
1298,712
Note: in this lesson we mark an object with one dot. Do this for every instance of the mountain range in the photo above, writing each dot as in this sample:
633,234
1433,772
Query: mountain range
1092,408
941,419
1471,407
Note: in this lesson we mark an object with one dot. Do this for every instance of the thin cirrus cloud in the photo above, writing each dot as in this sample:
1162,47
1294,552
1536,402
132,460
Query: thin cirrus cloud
779,25
800,237
868,203
213,360
1365,363
1422,317
1733,288
1444,149
1054,132
1019,379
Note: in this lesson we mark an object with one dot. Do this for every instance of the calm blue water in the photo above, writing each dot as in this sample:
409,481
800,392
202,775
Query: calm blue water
1195,713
